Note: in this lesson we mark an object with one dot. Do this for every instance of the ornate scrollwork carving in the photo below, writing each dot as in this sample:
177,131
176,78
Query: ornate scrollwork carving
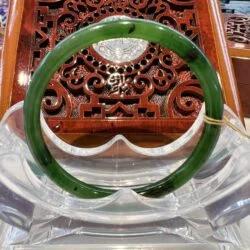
57,100
153,84
238,29
186,99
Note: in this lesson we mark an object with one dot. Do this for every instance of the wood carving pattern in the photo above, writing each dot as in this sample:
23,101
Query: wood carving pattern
156,84
238,29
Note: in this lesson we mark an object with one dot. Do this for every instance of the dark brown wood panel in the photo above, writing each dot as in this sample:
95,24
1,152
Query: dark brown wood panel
242,71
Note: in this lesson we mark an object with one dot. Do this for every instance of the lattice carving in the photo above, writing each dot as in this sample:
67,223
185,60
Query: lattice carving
155,84
238,29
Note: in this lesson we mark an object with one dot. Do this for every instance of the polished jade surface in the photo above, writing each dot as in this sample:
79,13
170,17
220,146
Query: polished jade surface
132,28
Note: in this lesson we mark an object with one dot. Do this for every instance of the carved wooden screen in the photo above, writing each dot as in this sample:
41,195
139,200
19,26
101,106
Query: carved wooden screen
238,30
122,86
238,35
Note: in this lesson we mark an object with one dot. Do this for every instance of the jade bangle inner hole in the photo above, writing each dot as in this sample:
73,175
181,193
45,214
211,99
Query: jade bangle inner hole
134,29
149,139
121,164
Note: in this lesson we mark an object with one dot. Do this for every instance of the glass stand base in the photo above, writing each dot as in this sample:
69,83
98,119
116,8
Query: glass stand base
132,246
177,233
209,212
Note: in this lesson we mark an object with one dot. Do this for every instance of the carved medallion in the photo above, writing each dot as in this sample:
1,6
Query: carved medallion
120,50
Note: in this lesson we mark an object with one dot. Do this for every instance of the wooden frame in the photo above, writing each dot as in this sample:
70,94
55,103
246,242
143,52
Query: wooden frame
237,32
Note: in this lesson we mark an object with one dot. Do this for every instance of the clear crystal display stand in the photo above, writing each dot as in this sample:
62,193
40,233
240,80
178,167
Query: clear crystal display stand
210,212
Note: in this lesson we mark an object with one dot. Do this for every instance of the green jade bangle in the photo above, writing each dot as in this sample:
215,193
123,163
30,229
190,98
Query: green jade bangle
132,28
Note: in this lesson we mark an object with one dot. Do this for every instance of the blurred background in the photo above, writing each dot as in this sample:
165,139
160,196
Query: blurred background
236,6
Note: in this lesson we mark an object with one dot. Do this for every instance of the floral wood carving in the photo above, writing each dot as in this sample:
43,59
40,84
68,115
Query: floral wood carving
98,84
